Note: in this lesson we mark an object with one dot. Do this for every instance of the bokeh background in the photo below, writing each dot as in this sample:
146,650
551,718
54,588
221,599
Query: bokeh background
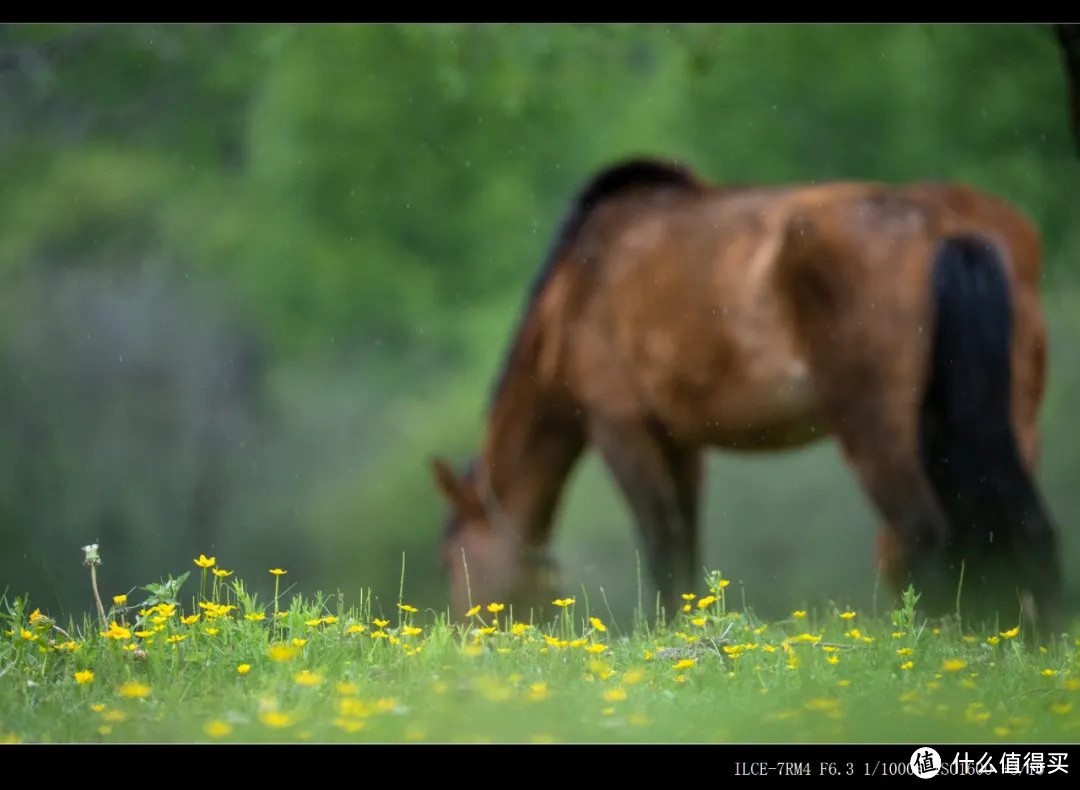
252,278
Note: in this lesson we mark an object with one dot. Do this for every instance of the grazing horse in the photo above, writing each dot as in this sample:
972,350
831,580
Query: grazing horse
673,315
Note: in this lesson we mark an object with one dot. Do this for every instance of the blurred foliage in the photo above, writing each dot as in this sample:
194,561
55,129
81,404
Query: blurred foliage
254,276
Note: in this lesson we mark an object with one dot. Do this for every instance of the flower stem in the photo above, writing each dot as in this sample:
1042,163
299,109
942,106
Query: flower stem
97,596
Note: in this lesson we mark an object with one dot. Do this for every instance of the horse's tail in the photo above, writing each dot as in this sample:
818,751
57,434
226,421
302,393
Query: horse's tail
1002,533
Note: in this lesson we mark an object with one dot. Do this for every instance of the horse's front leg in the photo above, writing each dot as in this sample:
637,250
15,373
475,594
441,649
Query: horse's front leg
661,480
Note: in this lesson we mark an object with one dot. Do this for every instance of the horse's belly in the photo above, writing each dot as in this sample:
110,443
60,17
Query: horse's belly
765,402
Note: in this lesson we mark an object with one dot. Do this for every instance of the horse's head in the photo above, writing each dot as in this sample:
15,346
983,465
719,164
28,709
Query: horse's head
485,558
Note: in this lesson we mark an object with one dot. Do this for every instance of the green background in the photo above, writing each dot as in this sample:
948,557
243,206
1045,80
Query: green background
252,278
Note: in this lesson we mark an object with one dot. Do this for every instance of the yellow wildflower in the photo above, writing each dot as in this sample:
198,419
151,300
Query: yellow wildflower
907,665
217,728
563,602
299,642
84,677
705,602
599,626
1010,633
688,596
119,600
406,608
306,678
617,694
204,562
411,631
954,665
355,629
191,620
495,607
272,718
134,688
281,652
221,572
255,616
596,648
381,623
633,676
473,611
278,571
685,663
243,669
117,632
905,651
798,614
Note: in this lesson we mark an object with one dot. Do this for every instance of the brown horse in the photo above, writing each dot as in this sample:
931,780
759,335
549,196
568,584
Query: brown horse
672,316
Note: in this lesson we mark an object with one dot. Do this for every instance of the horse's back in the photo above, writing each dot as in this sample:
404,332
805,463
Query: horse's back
678,304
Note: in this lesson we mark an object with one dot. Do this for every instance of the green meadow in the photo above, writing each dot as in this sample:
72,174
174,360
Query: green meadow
199,659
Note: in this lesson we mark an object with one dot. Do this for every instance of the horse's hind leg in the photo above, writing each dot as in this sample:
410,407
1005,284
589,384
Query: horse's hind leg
879,442
859,325
661,481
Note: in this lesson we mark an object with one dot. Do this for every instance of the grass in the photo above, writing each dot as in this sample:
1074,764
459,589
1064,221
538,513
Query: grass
227,667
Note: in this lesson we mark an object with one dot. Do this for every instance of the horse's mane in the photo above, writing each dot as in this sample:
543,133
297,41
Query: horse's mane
608,183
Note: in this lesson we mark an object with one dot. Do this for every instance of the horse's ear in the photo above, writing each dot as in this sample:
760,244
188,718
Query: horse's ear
461,493
445,479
